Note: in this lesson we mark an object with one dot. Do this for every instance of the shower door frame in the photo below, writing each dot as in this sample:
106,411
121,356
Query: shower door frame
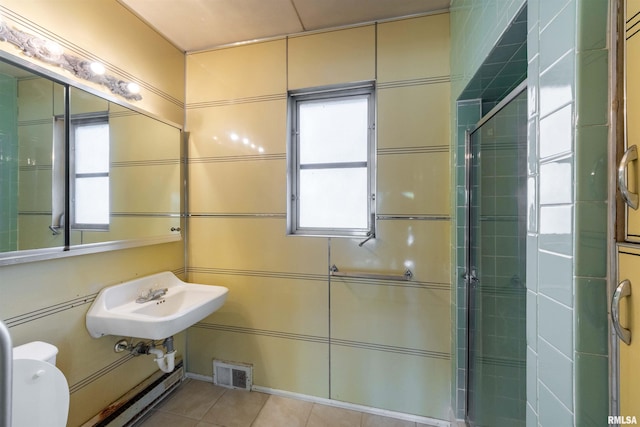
470,274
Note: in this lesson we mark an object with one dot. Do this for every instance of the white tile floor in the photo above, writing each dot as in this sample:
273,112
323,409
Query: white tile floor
202,404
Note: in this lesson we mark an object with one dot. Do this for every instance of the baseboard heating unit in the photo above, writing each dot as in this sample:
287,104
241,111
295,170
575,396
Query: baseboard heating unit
134,405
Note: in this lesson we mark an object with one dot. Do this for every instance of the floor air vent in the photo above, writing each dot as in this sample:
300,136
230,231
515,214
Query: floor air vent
232,375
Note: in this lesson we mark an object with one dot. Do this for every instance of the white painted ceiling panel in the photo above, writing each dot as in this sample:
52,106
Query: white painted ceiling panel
194,25
318,14
200,24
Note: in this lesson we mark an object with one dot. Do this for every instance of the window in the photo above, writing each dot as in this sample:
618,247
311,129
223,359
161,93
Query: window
331,154
90,173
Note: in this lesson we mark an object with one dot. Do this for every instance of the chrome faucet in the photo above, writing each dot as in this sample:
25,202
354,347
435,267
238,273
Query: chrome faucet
151,294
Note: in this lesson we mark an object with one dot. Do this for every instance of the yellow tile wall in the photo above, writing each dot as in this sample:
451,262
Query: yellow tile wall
407,182
243,73
138,188
145,163
413,49
389,314
253,243
48,300
82,102
252,191
43,239
331,58
384,344
143,138
402,111
217,124
386,379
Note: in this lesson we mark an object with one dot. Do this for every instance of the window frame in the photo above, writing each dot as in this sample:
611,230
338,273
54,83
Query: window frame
76,121
337,92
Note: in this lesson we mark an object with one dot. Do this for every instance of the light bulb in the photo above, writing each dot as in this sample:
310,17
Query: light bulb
99,69
53,49
133,87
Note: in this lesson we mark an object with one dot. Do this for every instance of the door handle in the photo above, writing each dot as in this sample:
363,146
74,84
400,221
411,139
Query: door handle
471,277
629,156
623,290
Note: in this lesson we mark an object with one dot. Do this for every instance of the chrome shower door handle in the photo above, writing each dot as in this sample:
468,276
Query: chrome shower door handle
623,290
471,277
629,156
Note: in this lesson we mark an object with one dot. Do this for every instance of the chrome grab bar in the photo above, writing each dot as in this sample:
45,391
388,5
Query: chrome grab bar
408,275
629,156
6,375
623,290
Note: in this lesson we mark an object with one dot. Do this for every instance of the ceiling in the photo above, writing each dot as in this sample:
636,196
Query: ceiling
194,25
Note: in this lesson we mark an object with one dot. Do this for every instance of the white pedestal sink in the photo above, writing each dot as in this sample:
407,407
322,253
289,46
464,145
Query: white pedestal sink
175,306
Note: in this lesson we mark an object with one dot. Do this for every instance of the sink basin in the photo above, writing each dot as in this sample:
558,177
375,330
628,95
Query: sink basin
116,312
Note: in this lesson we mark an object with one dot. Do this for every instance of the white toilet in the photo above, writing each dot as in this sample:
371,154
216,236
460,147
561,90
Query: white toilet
40,390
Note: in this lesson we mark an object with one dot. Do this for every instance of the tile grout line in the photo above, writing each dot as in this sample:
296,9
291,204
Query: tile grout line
259,412
313,405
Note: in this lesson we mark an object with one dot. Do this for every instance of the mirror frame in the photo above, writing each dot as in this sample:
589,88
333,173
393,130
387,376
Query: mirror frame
33,255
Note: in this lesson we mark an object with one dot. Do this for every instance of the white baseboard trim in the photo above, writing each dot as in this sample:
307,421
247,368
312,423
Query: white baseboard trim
199,377
354,407
338,404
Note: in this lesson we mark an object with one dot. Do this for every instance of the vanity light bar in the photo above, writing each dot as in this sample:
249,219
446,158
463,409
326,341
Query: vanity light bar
52,53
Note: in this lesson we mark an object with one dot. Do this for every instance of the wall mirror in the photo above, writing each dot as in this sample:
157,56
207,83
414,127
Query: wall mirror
78,170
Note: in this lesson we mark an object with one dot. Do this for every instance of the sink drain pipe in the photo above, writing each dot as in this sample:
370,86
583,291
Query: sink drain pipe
165,361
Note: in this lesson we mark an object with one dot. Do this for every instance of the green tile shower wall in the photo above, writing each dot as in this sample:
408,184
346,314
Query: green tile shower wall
568,56
475,29
8,164
498,322
468,114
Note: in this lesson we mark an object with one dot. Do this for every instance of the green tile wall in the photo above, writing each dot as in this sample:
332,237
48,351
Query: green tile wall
468,114
498,311
568,57
8,164
468,53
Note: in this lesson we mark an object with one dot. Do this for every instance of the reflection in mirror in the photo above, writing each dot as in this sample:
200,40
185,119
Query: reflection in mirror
28,106
123,170
128,188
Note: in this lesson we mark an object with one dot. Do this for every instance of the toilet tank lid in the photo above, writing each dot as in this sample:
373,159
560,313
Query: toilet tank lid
37,350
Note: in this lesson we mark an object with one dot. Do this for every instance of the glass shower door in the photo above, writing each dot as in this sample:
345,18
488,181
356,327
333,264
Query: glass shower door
496,261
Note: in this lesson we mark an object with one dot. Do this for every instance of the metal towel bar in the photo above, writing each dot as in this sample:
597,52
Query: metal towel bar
408,275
